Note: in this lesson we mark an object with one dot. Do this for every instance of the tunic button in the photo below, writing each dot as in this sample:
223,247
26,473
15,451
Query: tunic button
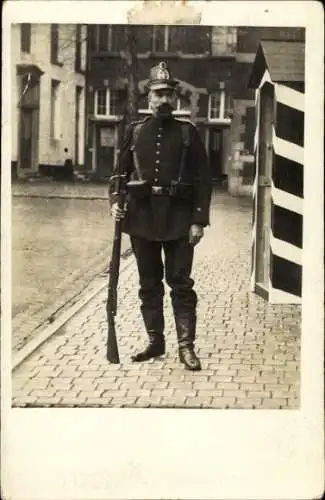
157,152
156,180
158,135
156,169
157,161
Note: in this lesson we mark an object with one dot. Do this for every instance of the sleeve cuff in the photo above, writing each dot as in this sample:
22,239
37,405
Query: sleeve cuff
199,217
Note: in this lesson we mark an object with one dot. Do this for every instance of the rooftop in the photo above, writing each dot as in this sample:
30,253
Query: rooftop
285,61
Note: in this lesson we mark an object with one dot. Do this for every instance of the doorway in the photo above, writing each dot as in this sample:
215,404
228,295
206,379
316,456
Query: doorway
28,133
106,140
28,141
215,153
264,175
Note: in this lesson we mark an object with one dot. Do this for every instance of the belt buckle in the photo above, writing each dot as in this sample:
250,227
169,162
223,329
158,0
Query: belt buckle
157,189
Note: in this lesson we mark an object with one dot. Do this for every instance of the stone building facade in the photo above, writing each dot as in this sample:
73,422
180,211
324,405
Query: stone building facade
48,63
212,64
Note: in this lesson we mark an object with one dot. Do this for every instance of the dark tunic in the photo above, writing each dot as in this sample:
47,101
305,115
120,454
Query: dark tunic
159,149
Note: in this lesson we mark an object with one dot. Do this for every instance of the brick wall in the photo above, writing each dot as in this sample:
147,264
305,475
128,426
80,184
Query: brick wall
242,127
248,38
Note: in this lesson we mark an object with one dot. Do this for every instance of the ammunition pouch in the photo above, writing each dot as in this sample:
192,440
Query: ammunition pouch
182,190
138,189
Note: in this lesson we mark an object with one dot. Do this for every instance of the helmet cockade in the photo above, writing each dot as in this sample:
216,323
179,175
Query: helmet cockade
162,71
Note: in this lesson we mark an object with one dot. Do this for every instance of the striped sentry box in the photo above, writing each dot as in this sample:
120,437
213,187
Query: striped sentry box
277,225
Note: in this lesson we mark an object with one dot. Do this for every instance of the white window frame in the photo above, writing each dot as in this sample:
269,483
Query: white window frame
108,105
179,111
221,117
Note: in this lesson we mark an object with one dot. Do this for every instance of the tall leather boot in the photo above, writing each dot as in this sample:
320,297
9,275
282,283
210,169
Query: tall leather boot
154,322
185,327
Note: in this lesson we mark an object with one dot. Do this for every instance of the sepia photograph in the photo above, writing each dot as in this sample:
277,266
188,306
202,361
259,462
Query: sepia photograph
177,152
162,269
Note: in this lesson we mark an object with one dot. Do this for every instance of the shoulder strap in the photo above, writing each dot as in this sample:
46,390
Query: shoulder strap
136,131
186,138
137,126
185,127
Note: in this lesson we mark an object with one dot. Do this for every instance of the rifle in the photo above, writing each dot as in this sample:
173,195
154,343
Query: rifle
112,354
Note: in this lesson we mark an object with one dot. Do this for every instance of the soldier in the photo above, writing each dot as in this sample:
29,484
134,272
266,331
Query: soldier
167,209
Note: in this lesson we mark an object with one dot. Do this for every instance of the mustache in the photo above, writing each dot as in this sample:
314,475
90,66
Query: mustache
165,109
165,105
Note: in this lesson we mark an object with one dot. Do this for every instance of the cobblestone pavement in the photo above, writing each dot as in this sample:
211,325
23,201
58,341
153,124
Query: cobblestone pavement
250,350
63,245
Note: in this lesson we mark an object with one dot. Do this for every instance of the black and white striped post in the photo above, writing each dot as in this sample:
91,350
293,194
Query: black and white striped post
284,242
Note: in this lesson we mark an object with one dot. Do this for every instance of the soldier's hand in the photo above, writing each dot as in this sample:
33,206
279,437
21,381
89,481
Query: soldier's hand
196,233
118,213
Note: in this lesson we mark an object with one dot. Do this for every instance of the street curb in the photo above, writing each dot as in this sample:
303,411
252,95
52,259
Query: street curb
85,296
60,196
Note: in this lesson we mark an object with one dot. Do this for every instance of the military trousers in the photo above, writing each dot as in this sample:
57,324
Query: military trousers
176,268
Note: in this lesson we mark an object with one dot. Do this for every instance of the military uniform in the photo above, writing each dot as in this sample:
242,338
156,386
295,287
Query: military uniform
162,219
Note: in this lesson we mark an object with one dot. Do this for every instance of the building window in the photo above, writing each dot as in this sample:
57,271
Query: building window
143,107
143,36
219,105
215,105
109,38
157,39
196,40
182,107
167,38
25,37
186,39
160,42
55,110
109,102
55,44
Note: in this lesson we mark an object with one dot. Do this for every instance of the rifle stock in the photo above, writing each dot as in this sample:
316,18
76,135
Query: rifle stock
112,353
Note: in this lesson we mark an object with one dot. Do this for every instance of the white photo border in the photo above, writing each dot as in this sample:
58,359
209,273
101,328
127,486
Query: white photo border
150,453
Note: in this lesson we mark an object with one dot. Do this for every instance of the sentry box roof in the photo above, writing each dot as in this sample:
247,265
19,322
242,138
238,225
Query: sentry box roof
285,62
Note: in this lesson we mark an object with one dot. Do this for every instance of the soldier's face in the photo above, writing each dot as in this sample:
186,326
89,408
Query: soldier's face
161,102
